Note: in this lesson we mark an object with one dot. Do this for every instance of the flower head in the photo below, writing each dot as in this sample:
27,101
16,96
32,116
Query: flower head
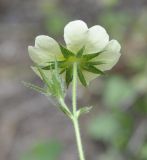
90,48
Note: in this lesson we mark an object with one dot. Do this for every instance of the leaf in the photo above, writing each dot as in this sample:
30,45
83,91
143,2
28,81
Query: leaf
56,83
66,53
34,87
45,79
81,77
83,110
66,112
91,56
92,69
80,52
69,75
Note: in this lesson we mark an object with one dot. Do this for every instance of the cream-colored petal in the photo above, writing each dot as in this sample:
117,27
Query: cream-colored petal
97,39
110,56
47,43
46,49
39,56
75,35
42,56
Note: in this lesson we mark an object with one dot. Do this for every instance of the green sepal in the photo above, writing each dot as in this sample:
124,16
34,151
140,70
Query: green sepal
91,56
94,63
66,53
92,69
34,87
80,52
69,75
83,110
49,67
52,65
81,77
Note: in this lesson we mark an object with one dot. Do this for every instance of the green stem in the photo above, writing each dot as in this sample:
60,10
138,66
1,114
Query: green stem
75,117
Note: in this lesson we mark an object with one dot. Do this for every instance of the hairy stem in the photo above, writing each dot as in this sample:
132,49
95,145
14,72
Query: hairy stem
75,117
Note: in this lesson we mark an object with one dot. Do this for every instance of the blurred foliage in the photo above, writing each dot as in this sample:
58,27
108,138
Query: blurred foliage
55,18
111,155
49,150
141,106
143,152
116,23
125,100
55,23
109,3
109,127
116,126
118,91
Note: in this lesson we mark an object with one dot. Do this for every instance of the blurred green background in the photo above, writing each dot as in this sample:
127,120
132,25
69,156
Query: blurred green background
31,126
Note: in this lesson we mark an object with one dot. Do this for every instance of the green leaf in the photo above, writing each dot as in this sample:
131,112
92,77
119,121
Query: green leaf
91,56
92,69
66,112
54,84
69,75
45,79
81,77
83,110
80,52
66,53
34,87
57,83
